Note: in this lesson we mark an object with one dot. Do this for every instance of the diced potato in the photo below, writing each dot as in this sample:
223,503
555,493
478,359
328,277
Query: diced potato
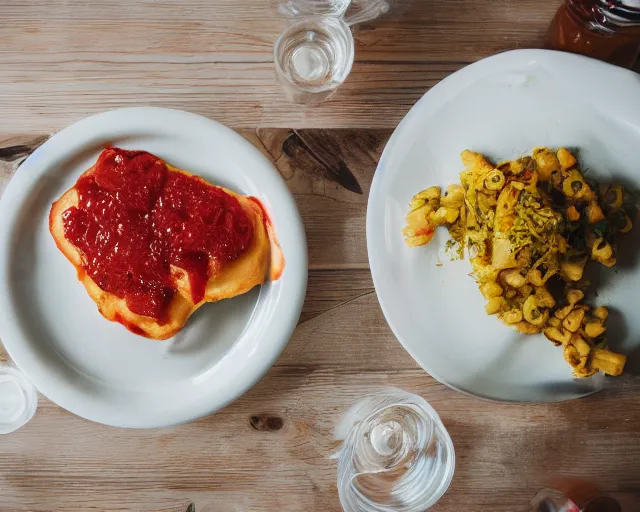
443,215
594,329
572,214
562,313
571,355
475,162
573,269
573,320
513,316
583,348
575,296
526,290
608,263
526,328
601,313
555,322
495,305
608,362
483,270
454,197
490,290
502,256
546,161
513,278
594,213
584,371
556,335
544,297
566,159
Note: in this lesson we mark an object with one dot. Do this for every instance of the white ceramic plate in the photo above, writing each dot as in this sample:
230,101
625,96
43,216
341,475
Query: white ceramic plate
502,106
96,368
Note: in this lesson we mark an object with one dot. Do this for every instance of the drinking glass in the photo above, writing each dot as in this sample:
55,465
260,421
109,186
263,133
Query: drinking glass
396,454
18,399
314,55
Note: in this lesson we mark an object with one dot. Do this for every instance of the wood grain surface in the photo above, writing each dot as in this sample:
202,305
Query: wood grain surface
61,60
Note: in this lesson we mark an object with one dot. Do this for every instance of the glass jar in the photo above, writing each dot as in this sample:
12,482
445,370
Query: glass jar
608,30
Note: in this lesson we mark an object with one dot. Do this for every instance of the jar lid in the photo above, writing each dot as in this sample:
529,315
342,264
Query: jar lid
621,12
18,399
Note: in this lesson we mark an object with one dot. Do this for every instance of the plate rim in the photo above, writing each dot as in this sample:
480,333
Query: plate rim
445,90
290,294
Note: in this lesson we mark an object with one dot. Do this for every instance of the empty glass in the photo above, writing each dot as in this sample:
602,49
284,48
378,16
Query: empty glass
396,455
18,399
314,55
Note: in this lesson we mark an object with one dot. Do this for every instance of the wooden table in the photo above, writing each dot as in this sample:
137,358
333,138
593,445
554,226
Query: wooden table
61,60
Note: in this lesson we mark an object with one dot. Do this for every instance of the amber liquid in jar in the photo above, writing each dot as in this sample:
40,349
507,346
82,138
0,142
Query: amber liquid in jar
608,30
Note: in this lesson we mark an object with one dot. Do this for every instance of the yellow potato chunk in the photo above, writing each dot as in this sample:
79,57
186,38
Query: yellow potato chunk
566,159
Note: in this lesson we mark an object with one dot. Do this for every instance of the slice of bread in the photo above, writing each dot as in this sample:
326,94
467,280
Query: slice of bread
261,260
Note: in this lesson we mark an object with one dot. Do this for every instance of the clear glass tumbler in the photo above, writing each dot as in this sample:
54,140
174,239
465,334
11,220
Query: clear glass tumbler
313,58
18,399
396,454
314,55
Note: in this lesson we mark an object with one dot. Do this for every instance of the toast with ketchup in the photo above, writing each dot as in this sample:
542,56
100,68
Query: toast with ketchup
152,243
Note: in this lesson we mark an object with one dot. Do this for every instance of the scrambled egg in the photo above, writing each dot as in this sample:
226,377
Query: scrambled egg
526,223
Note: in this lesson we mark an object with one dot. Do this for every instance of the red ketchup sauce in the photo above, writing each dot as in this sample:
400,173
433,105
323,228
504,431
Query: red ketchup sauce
135,219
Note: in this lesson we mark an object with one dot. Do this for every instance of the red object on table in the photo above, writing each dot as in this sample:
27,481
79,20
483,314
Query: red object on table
608,30
135,219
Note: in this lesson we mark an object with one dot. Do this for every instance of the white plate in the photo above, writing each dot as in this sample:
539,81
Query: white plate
502,106
96,368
